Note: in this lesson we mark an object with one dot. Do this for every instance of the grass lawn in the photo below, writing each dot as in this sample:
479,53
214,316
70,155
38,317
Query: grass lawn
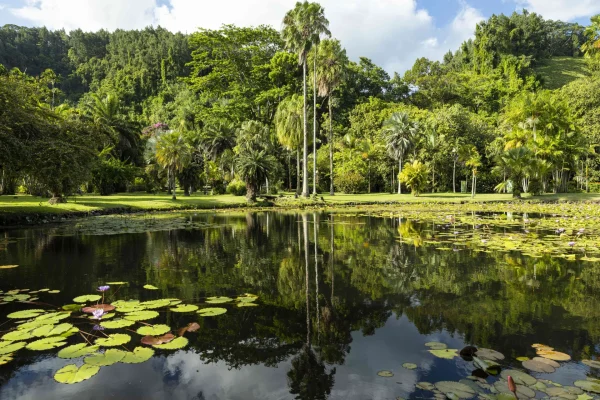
23,204
559,71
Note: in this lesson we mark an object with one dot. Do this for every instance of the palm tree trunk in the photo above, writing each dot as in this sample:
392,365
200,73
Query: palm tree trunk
433,178
298,173
318,314
369,171
331,190
399,172
172,177
305,154
315,123
454,177
305,230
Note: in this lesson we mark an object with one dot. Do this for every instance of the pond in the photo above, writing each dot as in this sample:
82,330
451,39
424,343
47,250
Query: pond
316,306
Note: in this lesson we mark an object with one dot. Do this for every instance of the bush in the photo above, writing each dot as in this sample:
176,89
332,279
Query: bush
236,188
112,175
351,183
220,188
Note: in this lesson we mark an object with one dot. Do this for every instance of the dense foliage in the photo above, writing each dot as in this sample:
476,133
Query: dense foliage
124,110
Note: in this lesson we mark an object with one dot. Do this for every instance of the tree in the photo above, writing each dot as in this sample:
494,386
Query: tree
414,176
591,47
473,161
517,161
330,73
302,27
288,127
399,133
173,153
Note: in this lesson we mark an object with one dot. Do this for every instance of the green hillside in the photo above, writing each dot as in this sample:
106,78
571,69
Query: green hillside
558,71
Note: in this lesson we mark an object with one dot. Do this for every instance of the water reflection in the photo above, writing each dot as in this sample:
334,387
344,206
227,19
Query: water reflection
342,297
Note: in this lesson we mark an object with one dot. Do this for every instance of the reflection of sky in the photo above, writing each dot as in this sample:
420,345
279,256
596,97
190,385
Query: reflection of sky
183,375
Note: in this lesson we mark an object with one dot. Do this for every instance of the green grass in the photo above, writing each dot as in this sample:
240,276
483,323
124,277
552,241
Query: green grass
559,71
23,204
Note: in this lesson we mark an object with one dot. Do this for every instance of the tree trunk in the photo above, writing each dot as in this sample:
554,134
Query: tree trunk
331,189
298,173
399,172
315,123
172,177
305,230
305,146
369,172
250,192
454,177
432,178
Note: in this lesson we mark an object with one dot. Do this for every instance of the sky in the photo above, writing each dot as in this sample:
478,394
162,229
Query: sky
393,33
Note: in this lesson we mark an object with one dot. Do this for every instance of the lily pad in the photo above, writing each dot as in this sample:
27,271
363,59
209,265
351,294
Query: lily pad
489,354
10,347
459,389
5,359
103,307
246,304
47,343
109,357
139,355
554,355
51,330
150,287
8,266
71,374
175,344
77,350
537,366
385,374
447,354
182,308
141,315
117,324
153,330
37,323
519,377
409,366
71,307
87,298
191,327
25,314
425,386
589,363
523,392
150,305
586,385
115,339
218,300
20,334
436,345
489,366
116,283
53,291
522,359
211,312
54,315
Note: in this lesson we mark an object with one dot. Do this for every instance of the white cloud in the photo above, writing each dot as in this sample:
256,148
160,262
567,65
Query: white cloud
391,32
565,10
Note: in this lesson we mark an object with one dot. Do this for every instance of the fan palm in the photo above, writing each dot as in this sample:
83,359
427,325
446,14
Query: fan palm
173,153
254,166
399,133
302,28
288,127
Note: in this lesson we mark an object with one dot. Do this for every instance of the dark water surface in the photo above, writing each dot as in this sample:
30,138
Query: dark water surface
338,302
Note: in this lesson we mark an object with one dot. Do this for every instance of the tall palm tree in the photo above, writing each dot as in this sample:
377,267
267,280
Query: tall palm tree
302,28
173,153
288,127
399,133
473,161
330,73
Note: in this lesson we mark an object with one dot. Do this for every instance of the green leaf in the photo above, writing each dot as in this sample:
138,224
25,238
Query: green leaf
117,324
182,308
589,363
459,389
131,309
71,374
25,314
150,287
155,330
247,298
175,344
116,283
448,354
109,357
54,316
150,305
87,298
70,332
247,304
588,386
77,350
51,330
211,312
11,347
53,291
47,343
141,315
436,345
20,334
71,307
139,355
519,377
115,339
218,300
385,374
5,359
409,366
37,323
125,303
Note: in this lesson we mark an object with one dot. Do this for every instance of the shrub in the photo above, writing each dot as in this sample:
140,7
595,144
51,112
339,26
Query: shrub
351,183
414,175
236,188
111,175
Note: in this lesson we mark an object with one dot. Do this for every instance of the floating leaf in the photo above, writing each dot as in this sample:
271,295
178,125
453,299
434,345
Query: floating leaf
191,327
5,359
53,291
589,363
117,324
448,354
586,385
104,316
115,339
539,364
8,266
409,366
156,304
116,283
247,298
554,355
489,366
489,354
37,323
109,357
385,374
125,303
520,377
10,347
425,386
71,374
459,389
436,345
584,396
182,308
20,334
141,315
218,300
153,330
87,298
47,343
522,358
211,312
523,392
175,344
71,307
150,287
25,314
103,307
51,330
54,316
131,309
151,340
77,350
139,355
247,304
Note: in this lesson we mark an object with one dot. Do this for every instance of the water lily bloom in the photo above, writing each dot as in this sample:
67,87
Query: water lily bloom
484,241
98,328
103,288
98,313
571,244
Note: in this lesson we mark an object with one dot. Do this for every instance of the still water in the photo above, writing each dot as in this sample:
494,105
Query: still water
341,297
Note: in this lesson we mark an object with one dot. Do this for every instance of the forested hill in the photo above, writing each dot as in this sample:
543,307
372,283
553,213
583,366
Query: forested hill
127,88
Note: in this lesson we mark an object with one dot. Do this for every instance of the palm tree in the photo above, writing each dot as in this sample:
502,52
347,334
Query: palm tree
517,161
302,28
330,73
254,166
473,161
432,142
399,133
288,127
173,153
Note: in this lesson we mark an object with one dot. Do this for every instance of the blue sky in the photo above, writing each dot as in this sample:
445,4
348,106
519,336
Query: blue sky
391,32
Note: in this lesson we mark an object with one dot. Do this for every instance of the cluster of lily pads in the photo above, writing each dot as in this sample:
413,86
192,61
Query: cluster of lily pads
92,320
512,381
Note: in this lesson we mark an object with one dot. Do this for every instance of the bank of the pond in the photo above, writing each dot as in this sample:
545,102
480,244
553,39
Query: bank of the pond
29,210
